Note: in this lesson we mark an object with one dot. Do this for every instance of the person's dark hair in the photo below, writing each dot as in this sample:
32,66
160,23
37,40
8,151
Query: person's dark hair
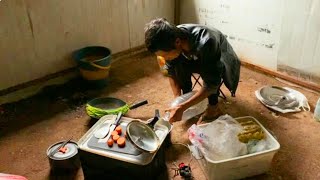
161,35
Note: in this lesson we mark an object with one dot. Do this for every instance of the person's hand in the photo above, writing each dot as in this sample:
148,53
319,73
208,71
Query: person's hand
175,114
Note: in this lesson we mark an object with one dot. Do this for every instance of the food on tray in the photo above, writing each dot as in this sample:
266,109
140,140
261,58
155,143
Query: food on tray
119,130
113,133
110,142
115,137
251,130
121,142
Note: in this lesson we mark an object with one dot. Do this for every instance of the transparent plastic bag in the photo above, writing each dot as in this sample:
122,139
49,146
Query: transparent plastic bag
197,137
257,145
316,114
294,101
219,140
193,110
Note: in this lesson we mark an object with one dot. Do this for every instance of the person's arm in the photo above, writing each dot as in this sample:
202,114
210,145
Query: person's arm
195,99
175,87
176,112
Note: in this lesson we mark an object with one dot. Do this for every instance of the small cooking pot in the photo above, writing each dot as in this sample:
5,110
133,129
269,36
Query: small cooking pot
142,135
68,160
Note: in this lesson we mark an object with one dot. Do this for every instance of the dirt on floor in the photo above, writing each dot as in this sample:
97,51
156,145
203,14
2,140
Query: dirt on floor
30,126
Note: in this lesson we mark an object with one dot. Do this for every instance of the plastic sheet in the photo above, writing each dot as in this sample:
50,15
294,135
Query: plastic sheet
302,102
257,146
219,139
193,110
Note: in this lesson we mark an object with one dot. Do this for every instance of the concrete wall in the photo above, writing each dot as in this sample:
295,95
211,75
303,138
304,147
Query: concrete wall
37,36
276,34
300,37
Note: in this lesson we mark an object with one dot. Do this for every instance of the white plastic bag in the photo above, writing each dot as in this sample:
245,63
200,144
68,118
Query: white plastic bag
197,137
219,139
300,98
257,145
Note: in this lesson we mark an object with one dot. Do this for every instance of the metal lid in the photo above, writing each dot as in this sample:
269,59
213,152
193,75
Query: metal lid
142,136
278,96
71,150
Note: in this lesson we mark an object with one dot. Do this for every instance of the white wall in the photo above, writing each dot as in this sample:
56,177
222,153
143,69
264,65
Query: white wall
300,36
37,37
265,32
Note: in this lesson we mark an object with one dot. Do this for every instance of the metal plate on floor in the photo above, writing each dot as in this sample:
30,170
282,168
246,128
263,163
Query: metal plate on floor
278,96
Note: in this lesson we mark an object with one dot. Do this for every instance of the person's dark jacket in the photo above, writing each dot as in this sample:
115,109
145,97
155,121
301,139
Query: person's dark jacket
214,55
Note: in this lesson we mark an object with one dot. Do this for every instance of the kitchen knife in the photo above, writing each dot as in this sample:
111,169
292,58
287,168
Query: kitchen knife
114,125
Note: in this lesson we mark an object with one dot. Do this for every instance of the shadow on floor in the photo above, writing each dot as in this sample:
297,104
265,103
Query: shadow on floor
63,175
72,95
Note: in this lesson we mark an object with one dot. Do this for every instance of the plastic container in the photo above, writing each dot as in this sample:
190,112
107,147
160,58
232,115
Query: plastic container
316,114
161,63
242,166
94,64
193,110
4,176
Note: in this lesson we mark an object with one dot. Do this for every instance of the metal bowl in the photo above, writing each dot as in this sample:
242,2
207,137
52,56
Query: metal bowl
278,96
142,136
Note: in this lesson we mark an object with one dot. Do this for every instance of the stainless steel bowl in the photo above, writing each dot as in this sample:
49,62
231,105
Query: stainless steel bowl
278,96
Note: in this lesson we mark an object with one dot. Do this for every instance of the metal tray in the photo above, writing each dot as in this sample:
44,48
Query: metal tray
143,158
102,144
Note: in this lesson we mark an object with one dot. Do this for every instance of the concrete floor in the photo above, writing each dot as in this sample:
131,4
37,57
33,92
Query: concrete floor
30,126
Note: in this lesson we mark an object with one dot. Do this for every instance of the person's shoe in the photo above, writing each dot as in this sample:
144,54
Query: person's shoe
212,112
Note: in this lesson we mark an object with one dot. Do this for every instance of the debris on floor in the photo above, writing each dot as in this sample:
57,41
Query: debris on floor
274,114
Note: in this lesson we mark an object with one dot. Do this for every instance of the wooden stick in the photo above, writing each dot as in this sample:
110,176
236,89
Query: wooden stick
292,79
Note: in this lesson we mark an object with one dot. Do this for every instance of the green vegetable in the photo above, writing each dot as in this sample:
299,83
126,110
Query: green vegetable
98,113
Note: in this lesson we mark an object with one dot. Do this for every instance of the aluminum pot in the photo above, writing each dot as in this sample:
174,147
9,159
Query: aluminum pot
143,136
66,160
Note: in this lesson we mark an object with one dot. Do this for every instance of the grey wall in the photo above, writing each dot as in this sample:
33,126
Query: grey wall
37,36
